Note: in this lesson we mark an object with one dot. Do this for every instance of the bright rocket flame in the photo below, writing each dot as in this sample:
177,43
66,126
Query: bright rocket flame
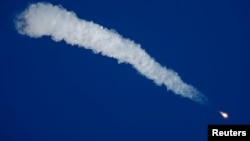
223,114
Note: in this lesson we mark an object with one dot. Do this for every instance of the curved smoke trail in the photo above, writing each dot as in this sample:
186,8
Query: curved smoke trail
44,19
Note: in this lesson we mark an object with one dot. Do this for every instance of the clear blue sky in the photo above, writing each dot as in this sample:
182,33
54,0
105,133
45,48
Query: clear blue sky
52,91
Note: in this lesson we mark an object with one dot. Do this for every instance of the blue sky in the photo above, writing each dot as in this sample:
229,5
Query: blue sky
53,91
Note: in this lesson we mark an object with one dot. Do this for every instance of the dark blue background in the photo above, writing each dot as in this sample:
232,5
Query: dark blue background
52,91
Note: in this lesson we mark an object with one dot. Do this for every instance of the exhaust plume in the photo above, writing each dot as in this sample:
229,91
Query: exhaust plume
45,19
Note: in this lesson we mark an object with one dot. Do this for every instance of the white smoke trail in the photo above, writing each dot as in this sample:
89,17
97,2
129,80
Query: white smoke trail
44,19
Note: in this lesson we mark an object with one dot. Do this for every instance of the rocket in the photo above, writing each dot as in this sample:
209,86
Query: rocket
224,114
